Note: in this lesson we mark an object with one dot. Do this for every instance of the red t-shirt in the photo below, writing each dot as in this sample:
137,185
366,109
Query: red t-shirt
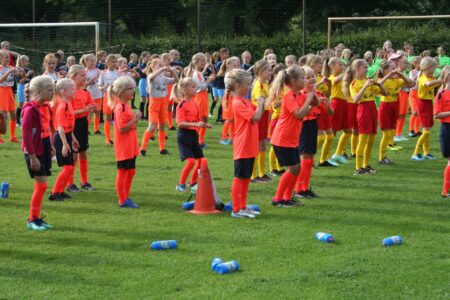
81,99
125,143
65,117
188,111
245,143
288,128
442,104
46,120
314,112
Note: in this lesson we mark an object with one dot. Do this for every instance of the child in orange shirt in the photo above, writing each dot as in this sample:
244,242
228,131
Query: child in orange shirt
65,141
245,145
126,147
285,138
189,120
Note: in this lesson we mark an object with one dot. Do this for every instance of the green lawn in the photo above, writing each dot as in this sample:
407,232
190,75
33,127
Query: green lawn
98,251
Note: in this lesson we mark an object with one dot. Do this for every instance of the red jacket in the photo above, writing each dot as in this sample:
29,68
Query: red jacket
31,129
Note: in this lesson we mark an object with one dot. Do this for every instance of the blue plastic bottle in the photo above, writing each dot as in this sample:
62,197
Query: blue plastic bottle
215,262
4,190
227,267
392,241
164,245
228,207
254,207
324,237
188,205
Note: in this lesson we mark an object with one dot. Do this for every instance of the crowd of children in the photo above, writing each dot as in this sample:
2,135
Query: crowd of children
298,107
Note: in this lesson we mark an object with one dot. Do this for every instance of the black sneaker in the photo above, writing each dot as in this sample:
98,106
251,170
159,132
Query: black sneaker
277,203
370,170
361,171
412,134
152,138
346,156
353,156
266,178
87,186
326,164
417,134
385,161
312,194
64,195
164,152
290,203
55,197
73,188
172,128
167,137
282,171
297,202
111,143
142,152
98,132
302,195
259,180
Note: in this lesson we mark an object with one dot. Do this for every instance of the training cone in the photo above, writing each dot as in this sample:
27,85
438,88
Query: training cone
205,199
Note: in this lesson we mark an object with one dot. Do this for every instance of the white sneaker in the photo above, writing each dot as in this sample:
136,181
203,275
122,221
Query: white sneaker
251,211
399,138
339,159
242,214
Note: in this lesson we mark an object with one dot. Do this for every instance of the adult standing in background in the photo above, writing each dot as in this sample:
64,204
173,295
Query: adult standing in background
12,55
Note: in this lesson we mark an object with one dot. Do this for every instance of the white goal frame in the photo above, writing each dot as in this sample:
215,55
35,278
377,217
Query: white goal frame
67,24
344,19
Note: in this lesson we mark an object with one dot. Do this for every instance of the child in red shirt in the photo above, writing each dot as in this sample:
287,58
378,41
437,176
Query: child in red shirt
189,121
126,144
245,144
285,138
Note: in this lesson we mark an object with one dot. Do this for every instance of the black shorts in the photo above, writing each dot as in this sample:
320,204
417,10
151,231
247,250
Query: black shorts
188,145
81,132
287,156
47,155
444,137
127,164
308,137
243,168
63,161
43,171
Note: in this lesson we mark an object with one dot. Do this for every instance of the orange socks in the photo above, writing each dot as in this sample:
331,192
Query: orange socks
107,127
121,179
162,140
83,170
169,119
96,123
201,135
129,181
286,182
305,175
446,179
12,129
145,139
36,200
225,128
400,124
190,163
63,179
236,193
195,173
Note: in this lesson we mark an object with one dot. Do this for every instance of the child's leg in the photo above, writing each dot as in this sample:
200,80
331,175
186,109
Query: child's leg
368,149
162,137
326,149
83,162
195,172
262,158
62,179
383,144
107,128
287,181
362,143
190,163
121,177
343,140
40,186
148,134
129,181
446,185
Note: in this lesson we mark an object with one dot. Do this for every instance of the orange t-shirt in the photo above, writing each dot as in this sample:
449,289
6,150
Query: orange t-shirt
65,117
287,131
81,99
125,143
188,111
316,111
442,104
245,143
46,117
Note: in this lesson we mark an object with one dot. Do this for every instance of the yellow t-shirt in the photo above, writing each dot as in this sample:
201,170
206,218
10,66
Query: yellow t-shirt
392,86
423,91
276,111
260,90
369,93
336,89
323,88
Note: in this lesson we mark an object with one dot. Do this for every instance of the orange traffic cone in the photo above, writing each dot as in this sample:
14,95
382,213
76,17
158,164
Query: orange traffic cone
205,199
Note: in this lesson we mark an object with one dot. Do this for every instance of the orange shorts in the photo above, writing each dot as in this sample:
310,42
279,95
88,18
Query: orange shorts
403,103
99,103
169,93
107,110
413,99
7,102
157,110
201,99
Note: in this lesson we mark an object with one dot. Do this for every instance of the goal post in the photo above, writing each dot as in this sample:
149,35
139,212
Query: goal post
344,19
96,25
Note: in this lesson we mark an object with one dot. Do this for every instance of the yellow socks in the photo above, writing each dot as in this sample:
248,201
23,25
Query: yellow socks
262,163
320,141
384,143
421,142
326,149
255,168
362,143
426,142
272,160
342,144
368,149
354,143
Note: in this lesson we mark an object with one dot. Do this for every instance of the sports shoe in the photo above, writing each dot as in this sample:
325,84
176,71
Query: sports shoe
203,146
328,164
98,132
312,194
417,134
172,128
370,170
14,140
394,147
445,195
242,214
230,142
36,224
265,178
64,196
210,115
223,142
429,156
385,161
283,203
109,143
399,138
297,202
302,195
274,173
276,203
412,134
142,153
87,186
55,197
181,188
73,188
45,224
152,138
417,157
339,159
164,152
251,211
346,156
361,171
128,204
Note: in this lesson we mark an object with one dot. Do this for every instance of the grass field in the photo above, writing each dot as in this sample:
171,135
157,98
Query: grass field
98,251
